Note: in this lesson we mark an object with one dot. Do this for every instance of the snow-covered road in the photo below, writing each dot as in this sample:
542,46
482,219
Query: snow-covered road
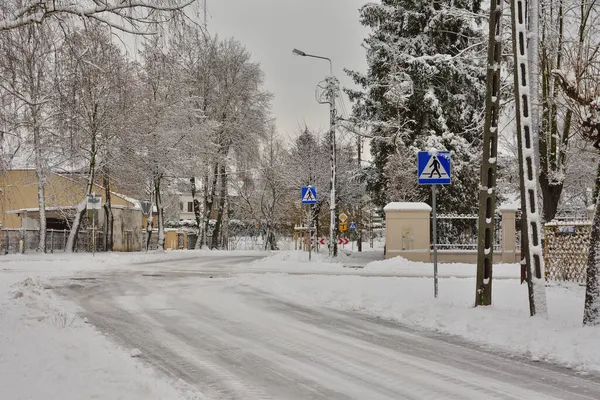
237,342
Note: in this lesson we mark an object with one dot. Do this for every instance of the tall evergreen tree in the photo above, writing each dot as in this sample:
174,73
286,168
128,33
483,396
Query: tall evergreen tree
424,89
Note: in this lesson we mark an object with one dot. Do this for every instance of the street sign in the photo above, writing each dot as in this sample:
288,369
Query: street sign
343,226
434,169
343,217
309,195
94,202
343,241
352,226
323,240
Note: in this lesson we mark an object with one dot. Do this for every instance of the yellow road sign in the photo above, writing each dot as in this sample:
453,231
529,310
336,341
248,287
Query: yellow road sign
343,226
343,217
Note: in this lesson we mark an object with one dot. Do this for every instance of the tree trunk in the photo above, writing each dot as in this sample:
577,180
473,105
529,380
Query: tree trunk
149,223
160,213
221,209
81,209
550,197
40,175
108,238
596,184
209,199
198,244
591,313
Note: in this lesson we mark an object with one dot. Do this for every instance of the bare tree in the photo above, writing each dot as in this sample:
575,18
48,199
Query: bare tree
263,193
26,69
162,123
579,84
568,51
93,84
231,96
132,16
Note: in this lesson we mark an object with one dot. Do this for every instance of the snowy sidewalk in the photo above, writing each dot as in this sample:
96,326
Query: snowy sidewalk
505,326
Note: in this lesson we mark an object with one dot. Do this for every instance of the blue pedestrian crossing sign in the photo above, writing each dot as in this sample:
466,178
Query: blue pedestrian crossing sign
353,226
434,169
309,195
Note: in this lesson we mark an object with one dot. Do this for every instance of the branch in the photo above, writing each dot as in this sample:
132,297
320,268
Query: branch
570,89
37,11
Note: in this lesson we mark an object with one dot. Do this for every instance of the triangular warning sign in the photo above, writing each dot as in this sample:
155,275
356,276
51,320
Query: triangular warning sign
434,170
308,196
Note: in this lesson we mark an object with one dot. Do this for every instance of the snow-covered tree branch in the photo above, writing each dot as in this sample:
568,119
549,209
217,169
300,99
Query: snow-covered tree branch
132,16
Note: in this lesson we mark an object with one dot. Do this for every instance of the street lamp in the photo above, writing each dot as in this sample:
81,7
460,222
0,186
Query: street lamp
331,89
303,54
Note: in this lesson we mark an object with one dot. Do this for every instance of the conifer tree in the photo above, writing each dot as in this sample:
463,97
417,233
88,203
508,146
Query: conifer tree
424,89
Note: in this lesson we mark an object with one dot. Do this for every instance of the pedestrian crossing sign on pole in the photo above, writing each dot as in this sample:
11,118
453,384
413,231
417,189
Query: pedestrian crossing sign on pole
434,169
309,195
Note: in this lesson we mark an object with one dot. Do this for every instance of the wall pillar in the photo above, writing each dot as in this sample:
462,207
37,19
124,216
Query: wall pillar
407,231
590,212
509,232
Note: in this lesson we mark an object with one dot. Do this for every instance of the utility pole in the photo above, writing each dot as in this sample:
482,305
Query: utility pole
530,210
359,213
487,190
527,120
332,87
332,84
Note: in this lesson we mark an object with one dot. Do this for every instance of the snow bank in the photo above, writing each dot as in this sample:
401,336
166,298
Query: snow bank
506,325
399,265
48,352
60,264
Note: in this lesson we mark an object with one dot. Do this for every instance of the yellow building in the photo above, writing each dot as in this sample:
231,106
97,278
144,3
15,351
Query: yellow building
19,205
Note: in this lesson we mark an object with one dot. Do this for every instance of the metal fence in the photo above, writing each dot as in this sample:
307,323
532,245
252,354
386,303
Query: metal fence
153,240
11,241
258,243
459,232
566,249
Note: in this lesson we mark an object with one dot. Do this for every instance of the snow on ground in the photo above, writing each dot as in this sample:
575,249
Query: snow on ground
60,264
402,266
506,325
48,352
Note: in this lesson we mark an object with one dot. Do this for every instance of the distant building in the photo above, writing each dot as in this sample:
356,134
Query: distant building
19,207
186,207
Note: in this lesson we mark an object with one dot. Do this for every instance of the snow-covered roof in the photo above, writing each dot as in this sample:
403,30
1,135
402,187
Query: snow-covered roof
125,207
35,209
404,206
131,200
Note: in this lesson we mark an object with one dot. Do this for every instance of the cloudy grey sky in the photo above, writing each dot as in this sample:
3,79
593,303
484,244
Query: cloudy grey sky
270,29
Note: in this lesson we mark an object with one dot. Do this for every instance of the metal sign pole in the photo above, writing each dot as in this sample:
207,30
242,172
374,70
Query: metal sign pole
430,164
308,223
93,232
435,261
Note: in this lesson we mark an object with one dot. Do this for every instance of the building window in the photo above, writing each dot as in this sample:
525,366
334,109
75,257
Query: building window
190,206
181,206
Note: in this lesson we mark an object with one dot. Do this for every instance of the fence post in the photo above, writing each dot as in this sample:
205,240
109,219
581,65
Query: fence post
509,231
22,241
52,241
